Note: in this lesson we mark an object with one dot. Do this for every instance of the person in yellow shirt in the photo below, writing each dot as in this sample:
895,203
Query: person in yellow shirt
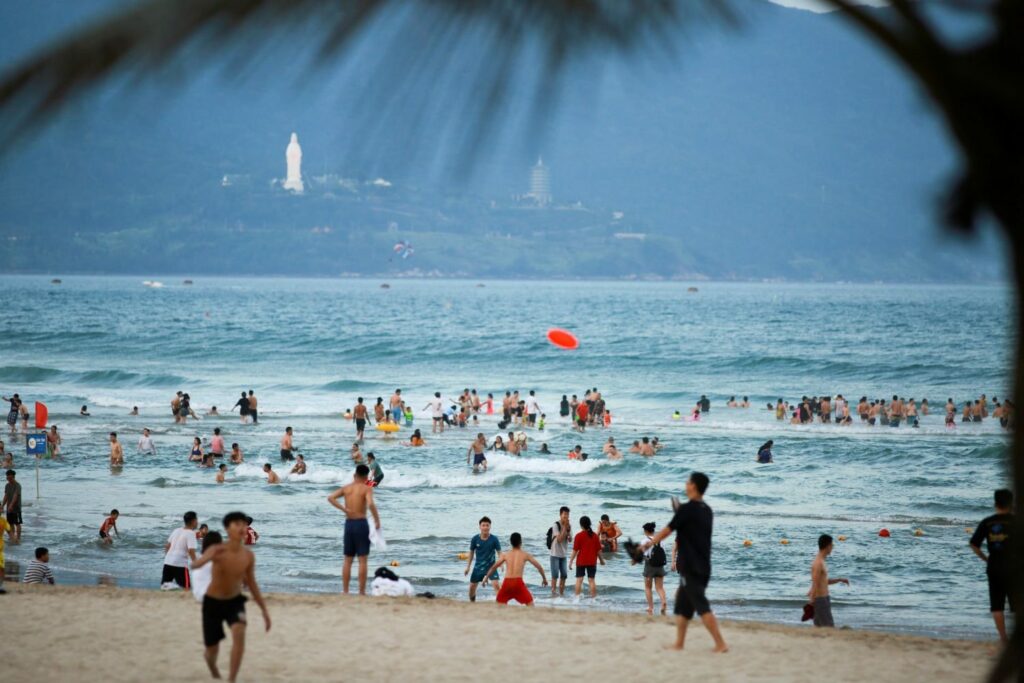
5,527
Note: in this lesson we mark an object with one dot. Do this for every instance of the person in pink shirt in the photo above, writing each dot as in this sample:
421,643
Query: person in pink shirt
217,444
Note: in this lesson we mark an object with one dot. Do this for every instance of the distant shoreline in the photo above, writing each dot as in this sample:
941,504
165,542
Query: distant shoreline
386,278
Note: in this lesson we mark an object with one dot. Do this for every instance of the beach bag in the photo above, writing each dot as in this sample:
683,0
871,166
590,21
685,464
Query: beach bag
658,558
551,533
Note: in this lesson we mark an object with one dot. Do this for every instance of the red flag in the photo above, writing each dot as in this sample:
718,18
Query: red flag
41,415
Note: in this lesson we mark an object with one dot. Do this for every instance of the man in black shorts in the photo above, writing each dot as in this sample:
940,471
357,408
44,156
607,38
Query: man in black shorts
996,531
692,523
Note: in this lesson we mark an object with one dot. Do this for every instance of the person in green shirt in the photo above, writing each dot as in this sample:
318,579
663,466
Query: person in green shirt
376,473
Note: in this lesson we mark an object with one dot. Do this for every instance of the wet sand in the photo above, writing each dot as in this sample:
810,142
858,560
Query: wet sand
113,634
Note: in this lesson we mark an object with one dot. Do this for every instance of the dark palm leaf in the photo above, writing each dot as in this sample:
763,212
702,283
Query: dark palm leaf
145,37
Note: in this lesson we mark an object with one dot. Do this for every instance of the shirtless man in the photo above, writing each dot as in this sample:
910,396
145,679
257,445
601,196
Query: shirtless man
895,411
236,454
360,415
116,452
175,405
253,407
272,477
825,409
358,498
396,405
611,450
286,445
820,582
234,566
976,411
514,588
863,408
646,449
476,451
222,472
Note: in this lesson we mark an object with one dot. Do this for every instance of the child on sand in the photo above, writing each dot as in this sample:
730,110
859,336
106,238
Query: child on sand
110,525
234,566
514,588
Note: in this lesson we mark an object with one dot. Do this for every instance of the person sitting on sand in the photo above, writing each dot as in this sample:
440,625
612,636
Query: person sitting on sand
236,454
514,588
416,440
607,526
234,567
108,527
300,465
272,477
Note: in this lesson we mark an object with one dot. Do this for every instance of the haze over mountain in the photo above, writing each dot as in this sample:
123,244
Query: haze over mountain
789,149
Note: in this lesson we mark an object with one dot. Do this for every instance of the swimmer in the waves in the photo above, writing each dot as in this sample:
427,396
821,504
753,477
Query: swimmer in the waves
476,452
300,465
415,440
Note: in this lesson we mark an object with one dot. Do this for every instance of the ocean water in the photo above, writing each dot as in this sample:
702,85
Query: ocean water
310,347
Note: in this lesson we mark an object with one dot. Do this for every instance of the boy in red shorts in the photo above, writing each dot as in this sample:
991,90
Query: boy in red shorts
514,588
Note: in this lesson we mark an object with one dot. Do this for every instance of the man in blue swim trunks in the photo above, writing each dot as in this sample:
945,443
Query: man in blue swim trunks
484,549
358,498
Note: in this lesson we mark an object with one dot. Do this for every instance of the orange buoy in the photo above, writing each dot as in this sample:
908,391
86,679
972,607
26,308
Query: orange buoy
563,339
884,533
747,543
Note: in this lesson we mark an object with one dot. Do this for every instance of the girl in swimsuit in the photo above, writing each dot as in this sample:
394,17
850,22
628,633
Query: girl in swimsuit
197,451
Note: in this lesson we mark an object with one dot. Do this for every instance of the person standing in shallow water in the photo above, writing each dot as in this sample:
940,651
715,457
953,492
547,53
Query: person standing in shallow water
996,532
253,410
358,498
243,408
692,524
819,594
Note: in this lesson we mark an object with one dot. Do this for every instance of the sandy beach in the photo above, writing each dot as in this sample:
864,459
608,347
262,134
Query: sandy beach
112,634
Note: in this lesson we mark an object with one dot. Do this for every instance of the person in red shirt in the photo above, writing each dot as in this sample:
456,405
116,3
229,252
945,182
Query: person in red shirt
582,412
250,534
586,553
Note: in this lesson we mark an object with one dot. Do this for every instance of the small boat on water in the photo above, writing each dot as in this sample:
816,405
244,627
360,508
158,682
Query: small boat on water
692,290
55,281
186,282
385,286
152,283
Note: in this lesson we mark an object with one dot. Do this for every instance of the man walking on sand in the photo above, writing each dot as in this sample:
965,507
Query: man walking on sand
514,588
358,498
692,523
820,582
996,532
234,566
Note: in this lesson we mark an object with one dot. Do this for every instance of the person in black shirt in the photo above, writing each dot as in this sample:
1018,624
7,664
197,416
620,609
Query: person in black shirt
996,532
692,523
243,407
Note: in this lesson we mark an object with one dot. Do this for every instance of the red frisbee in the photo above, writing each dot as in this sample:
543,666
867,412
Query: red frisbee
563,339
